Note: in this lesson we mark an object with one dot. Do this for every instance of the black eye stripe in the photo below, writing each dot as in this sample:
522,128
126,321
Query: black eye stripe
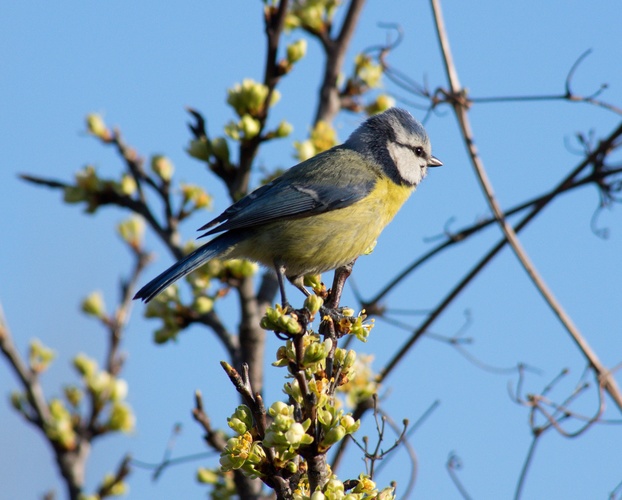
418,150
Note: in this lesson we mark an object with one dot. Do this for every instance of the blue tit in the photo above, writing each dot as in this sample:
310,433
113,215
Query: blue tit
323,213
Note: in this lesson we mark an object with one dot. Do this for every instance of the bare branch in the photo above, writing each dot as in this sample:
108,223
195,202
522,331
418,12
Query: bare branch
29,379
453,465
526,465
330,103
461,109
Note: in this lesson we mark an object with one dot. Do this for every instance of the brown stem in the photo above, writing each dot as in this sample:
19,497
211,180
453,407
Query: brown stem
330,103
461,109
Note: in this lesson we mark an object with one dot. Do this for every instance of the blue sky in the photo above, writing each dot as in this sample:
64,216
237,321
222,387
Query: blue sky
140,63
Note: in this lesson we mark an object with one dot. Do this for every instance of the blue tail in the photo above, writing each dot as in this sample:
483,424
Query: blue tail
188,264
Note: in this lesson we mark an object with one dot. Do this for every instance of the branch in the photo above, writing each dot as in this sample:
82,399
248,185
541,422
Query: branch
602,150
29,379
330,102
457,237
460,108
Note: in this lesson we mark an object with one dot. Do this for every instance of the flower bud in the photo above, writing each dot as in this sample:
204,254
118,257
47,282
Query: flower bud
381,104
350,359
72,194
203,304
284,129
313,303
249,126
350,424
118,389
296,51
206,476
334,435
127,185
113,486
85,365
163,167
121,418
93,305
39,356
199,149
96,126
132,231
220,147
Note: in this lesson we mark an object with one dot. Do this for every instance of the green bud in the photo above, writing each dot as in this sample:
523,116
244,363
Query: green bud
72,194
334,435
350,359
284,129
277,321
93,305
233,131
100,384
118,389
127,186
60,429
39,356
347,312
203,304
280,408
121,418
132,231
163,167
17,400
369,72
296,51
195,195
296,435
304,150
206,476
317,352
96,126
220,147
73,395
249,126
387,493
350,424
87,179
248,97
291,325
325,417
381,104
313,303
115,488
199,149
257,453
164,334
241,268
242,420
85,365
313,280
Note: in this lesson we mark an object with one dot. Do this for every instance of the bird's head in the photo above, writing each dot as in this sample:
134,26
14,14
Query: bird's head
397,143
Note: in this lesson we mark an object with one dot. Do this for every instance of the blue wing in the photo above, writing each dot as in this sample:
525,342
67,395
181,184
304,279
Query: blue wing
310,188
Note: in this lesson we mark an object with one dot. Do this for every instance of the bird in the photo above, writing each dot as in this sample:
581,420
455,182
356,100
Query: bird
323,213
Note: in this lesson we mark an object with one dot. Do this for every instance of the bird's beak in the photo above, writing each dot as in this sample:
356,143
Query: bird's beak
434,162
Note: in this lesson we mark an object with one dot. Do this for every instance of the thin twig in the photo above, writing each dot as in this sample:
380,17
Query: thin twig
454,464
525,468
461,108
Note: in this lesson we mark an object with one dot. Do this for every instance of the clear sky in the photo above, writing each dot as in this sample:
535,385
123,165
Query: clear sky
139,63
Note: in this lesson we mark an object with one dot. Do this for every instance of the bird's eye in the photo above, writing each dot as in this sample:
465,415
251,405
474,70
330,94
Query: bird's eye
419,151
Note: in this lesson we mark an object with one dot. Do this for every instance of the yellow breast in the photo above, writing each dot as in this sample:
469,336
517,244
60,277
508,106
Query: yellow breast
323,242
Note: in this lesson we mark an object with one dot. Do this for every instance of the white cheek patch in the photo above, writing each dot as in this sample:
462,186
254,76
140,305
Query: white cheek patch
408,164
